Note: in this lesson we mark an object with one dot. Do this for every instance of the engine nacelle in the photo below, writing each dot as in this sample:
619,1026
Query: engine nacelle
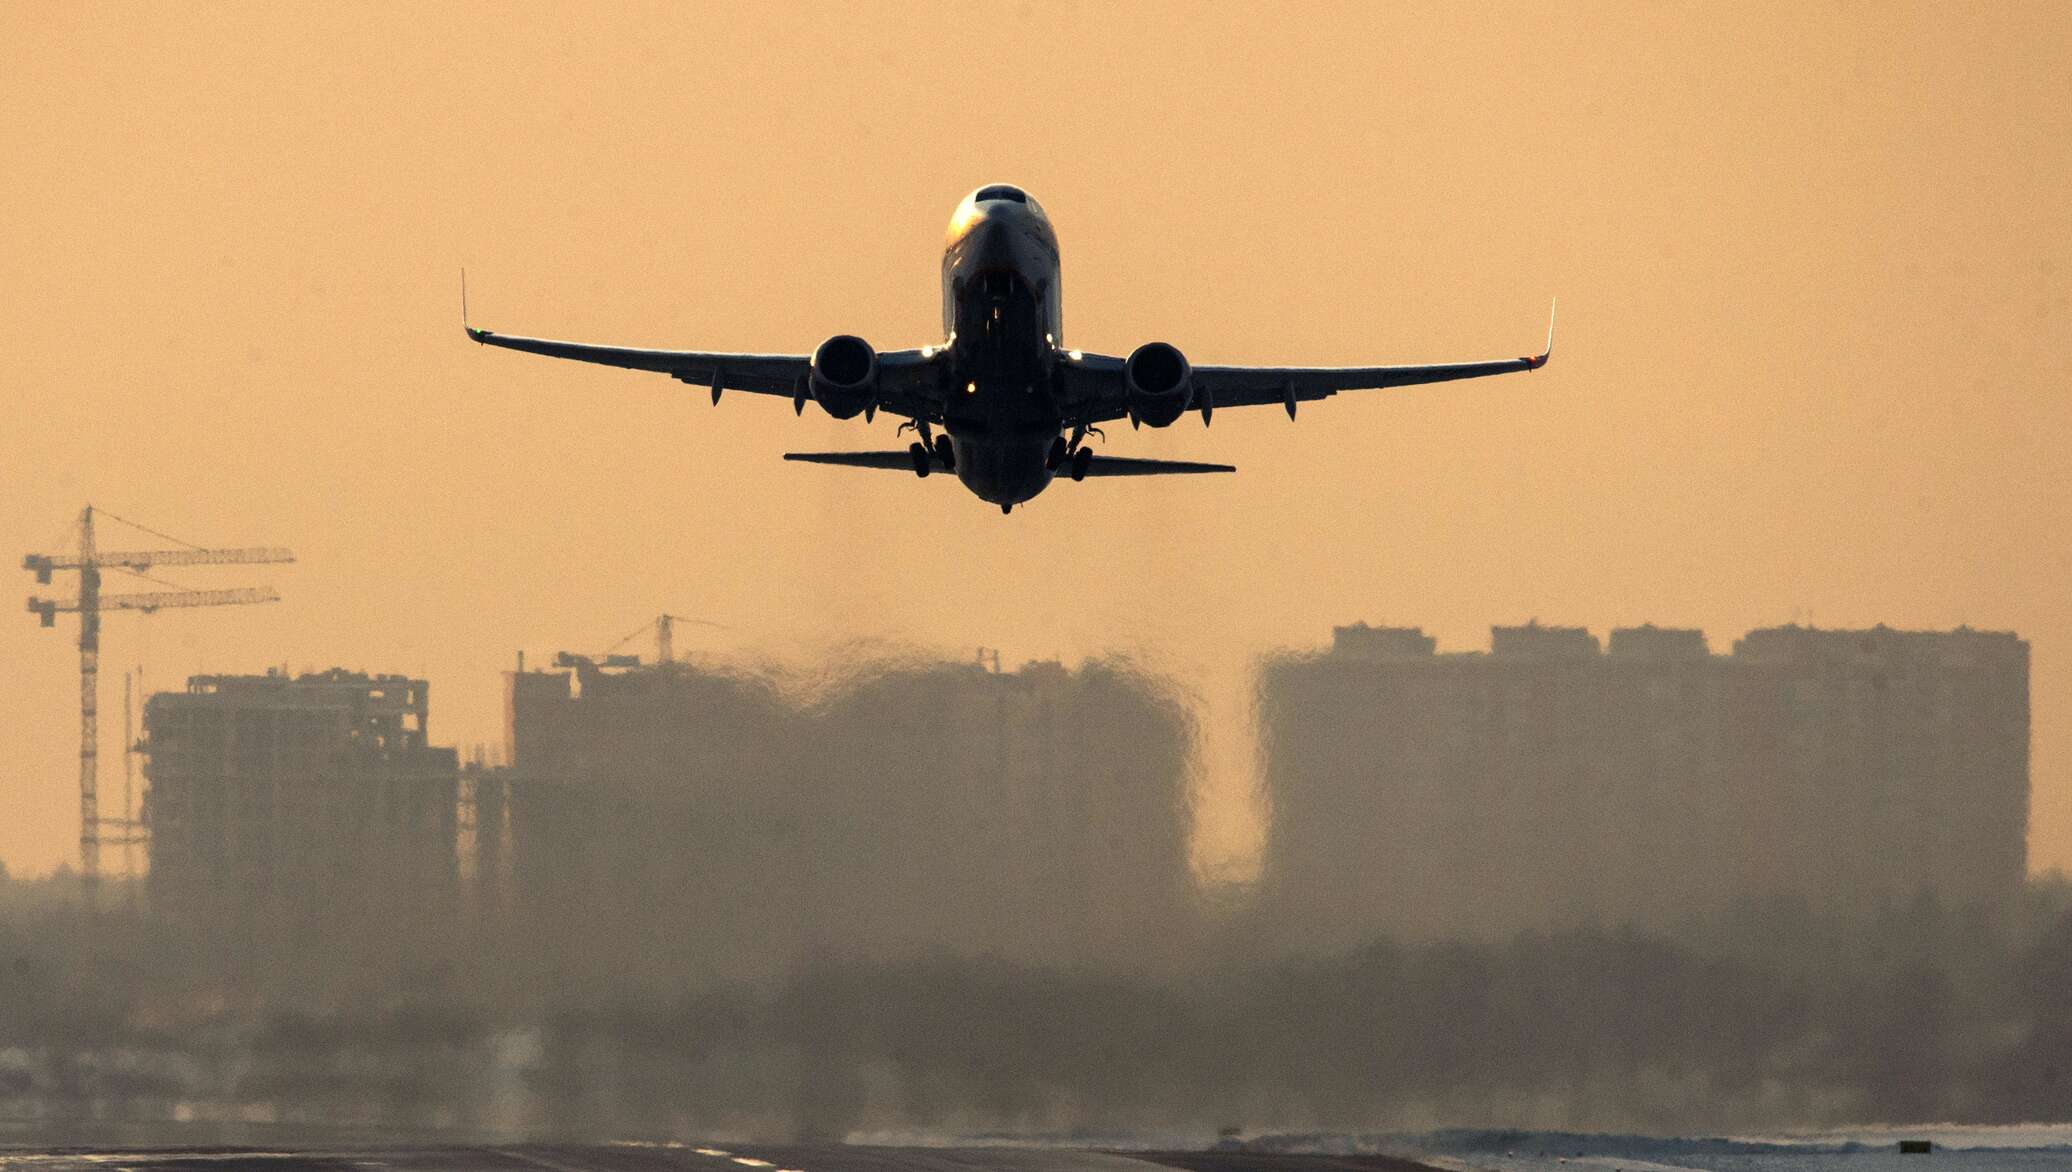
1160,383
845,376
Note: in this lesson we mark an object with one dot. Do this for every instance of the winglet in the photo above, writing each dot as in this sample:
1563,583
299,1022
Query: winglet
1541,360
474,333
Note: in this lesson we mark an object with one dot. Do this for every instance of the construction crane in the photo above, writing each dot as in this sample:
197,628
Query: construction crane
89,604
665,634
664,627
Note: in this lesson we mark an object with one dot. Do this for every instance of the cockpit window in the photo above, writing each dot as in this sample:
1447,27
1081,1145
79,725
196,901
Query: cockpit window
1001,191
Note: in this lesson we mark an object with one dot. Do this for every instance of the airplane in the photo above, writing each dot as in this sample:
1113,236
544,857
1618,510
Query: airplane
1016,406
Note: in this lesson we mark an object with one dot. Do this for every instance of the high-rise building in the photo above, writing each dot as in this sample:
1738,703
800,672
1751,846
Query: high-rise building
299,812
1548,783
678,819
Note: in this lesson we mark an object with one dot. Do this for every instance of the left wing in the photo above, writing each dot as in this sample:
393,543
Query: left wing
908,380
1094,381
763,374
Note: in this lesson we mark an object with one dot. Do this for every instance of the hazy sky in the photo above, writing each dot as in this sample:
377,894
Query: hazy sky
1815,277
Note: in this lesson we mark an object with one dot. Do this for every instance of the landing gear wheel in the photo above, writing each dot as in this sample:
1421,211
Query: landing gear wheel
1058,453
945,453
921,460
1081,461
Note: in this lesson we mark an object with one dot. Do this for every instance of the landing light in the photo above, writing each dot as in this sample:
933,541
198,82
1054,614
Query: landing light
1076,355
971,388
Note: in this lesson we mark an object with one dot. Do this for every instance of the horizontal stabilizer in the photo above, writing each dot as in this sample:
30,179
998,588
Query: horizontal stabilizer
1125,466
1101,465
900,461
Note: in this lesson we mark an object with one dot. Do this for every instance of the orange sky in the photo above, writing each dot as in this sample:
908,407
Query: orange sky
1815,277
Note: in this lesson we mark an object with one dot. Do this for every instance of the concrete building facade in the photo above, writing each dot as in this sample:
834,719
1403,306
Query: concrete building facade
704,821
298,812
1551,783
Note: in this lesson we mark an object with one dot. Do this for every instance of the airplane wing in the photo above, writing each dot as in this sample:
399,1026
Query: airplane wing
1093,381
909,380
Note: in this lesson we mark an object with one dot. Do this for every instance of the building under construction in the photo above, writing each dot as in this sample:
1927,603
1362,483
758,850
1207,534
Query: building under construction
677,819
1551,782
300,813
90,563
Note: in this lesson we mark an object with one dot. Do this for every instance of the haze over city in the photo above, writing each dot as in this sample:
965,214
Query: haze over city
923,836
1813,275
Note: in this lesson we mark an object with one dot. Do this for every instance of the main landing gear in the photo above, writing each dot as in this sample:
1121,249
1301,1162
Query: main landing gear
929,450
1072,455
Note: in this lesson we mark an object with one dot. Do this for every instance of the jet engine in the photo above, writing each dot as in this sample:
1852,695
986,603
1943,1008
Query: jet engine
845,376
1160,383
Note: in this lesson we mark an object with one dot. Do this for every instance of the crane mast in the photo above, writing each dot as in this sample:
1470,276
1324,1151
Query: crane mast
88,604
89,704
129,781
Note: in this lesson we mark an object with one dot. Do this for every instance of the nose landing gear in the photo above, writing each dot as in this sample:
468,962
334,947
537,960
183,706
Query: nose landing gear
1081,461
922,463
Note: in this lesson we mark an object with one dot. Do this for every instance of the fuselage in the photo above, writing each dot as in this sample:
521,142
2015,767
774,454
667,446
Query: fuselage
1005,332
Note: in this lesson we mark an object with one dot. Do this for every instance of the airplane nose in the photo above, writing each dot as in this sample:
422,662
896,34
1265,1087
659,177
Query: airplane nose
990,243
999,217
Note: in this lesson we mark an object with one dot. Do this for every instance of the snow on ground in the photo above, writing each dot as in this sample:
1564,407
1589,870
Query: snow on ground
1956,1149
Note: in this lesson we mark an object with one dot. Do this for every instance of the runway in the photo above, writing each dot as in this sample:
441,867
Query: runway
669,1157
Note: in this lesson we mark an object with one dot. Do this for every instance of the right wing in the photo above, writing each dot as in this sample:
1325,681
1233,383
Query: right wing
1094,381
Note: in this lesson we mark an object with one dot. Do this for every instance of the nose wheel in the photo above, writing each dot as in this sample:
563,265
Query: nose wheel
946,453
923,464
1081,461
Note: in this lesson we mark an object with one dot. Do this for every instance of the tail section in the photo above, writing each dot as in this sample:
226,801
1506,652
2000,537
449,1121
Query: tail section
1126,466
900,461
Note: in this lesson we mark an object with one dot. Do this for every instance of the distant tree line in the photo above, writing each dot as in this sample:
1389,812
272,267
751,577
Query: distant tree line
1771,1017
